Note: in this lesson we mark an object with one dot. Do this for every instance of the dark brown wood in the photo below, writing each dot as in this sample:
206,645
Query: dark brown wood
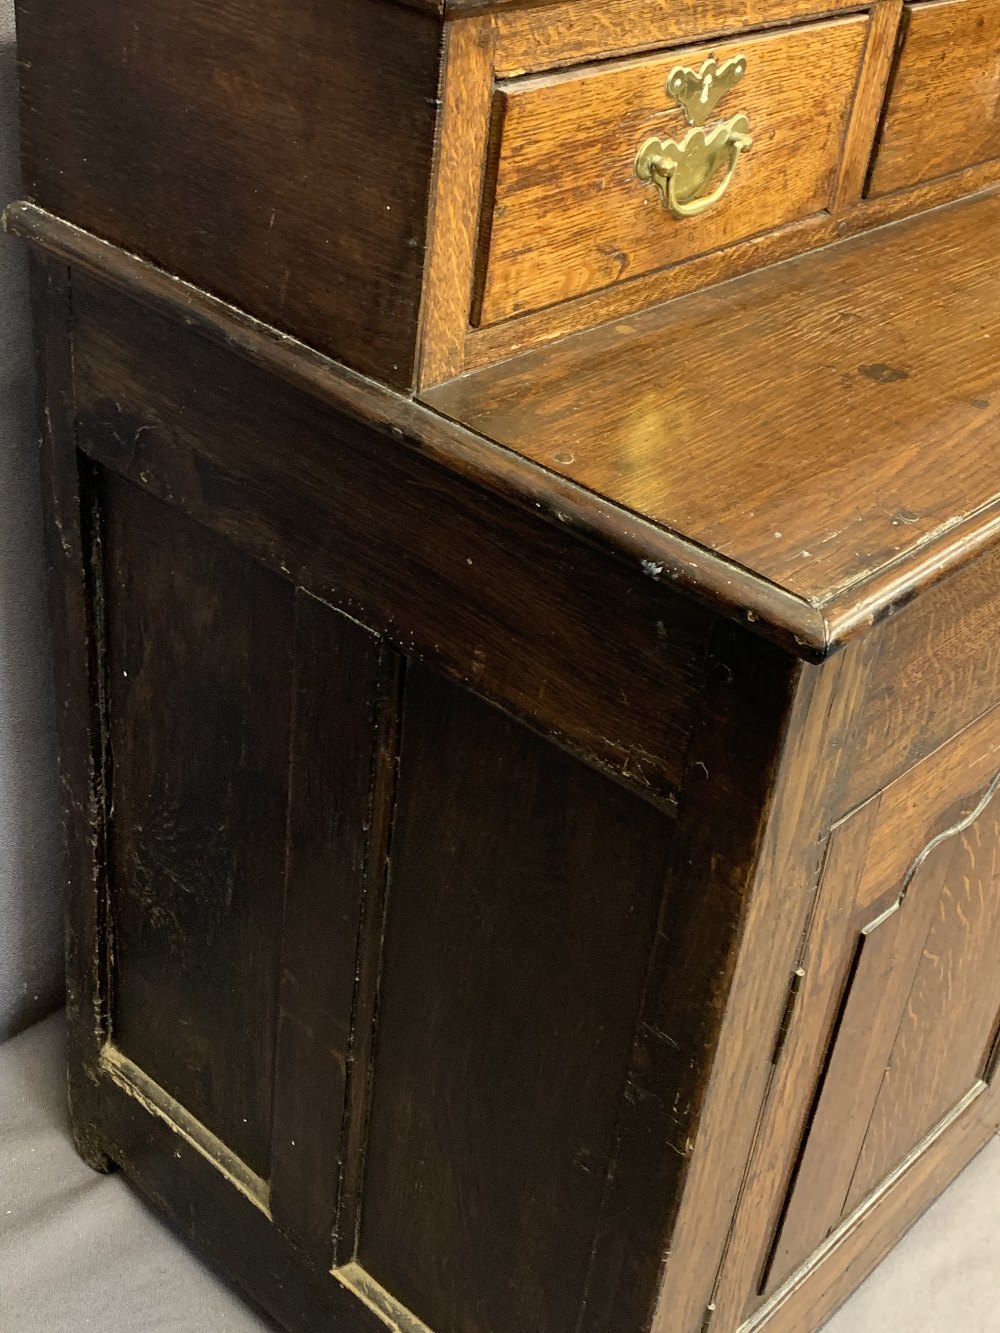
364,524
332,777
198,670
734,762
939,668
272,154
68,502
785,873
523,902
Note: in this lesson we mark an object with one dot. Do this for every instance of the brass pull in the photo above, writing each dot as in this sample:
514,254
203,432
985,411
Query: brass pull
681,171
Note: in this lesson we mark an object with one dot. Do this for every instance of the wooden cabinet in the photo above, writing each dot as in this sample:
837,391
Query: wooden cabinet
532,820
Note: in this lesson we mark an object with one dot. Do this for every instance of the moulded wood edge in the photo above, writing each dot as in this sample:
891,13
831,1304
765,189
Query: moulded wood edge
810,630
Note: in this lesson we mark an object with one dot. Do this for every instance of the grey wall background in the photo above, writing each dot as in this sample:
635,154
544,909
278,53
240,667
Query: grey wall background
30,837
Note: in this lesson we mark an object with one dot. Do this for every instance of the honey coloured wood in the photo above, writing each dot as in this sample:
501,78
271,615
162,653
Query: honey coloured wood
819,423
568,215
943,112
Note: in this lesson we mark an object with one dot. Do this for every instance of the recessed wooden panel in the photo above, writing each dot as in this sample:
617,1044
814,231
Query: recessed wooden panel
522,910
569,215
198,670
922,959
944,104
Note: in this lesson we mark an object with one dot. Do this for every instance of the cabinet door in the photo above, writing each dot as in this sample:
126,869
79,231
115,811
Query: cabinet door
902,983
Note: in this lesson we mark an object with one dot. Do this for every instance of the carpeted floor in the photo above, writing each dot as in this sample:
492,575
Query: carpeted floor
80,1251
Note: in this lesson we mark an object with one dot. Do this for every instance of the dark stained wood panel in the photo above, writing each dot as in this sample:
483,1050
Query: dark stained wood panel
270,153
522,908
816,422
198,680
489,589
332,758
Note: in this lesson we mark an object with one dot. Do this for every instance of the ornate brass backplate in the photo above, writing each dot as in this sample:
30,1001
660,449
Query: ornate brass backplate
682,171
699,93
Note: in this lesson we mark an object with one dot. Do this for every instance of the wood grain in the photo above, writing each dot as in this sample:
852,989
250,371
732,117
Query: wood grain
569,216
668,1113
823,960
949,1024
458,181
331,776
198,650
522,907
904,970
272,155
68,502
883,30
568,32
397,541
938,669
786,872
484,346
944,104
729,589
849,1255
819,423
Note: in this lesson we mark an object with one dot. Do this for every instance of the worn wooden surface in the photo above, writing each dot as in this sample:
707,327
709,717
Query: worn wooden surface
920,963
373,529
869,100
414,428
938,668
569,215
944,103
820,423
198,794
440,857
523,900
454,224
268,153
790,843
333,718
567,32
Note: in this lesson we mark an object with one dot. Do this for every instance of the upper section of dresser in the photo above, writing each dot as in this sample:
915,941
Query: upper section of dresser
422,189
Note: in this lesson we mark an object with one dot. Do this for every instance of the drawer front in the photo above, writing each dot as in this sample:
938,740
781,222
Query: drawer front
943,113
565,211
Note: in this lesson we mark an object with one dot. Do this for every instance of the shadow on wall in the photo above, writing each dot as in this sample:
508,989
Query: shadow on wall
30,834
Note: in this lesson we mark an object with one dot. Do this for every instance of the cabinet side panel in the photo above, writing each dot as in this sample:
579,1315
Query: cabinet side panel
522,911
277,155
199,660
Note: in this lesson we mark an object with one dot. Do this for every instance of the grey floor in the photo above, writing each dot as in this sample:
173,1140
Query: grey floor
79,1251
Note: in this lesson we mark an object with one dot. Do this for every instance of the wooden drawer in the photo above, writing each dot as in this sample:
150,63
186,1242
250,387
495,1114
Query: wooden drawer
943,113
565,213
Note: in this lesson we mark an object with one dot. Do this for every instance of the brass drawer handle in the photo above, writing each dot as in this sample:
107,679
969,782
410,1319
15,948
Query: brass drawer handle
681,171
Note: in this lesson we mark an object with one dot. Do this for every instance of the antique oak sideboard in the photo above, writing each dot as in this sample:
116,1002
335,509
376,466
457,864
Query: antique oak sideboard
525,562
